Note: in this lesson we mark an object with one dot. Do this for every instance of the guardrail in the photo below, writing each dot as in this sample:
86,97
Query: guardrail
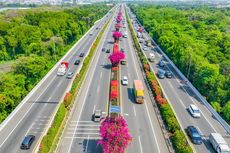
196,92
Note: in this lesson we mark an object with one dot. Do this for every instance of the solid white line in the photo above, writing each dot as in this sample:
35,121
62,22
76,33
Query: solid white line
26,113
138,75
134,110
139,138
94,108
170,84
29,129
87,144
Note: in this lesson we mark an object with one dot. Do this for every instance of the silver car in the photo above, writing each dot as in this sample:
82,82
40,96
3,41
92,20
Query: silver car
97,116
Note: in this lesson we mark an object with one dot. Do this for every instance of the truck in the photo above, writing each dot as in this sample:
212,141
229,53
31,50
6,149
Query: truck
63,68
151,57
138,91
218,143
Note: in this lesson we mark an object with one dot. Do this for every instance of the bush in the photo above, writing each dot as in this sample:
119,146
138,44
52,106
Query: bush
180,143
67,99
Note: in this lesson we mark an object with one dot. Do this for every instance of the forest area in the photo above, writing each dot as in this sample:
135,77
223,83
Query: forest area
199,37
36,39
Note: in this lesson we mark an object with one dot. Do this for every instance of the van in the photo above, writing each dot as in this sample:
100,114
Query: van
27,142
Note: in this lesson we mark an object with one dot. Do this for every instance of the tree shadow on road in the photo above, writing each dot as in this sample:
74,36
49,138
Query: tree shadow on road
90,146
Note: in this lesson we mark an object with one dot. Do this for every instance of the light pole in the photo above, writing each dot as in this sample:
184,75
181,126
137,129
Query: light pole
190,61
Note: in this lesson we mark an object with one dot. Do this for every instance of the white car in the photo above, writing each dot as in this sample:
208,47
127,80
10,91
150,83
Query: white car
97,116
125,80
194,110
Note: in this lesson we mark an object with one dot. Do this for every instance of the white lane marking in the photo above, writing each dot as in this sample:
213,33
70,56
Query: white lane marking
139,138
138,75
98,89
87,89
134,110
26,112
29,129
87,144
199,131
170,84
100,75
82,137
94,108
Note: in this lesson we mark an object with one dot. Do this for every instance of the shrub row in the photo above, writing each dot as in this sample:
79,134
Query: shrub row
178,138
50,140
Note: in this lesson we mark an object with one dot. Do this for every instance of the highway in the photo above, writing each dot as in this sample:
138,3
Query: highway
82,133
180,97
33,116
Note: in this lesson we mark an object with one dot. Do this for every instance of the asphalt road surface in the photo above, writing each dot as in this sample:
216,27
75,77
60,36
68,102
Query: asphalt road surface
82,133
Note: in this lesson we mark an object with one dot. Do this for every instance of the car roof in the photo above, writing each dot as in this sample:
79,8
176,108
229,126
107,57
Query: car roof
97,112
194,107
125,77
27,139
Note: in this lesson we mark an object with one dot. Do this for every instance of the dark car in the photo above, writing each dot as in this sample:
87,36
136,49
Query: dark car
161,63
27,142
168,74
103,49
194,135
122,50
82,55
108,51
77,62
161,73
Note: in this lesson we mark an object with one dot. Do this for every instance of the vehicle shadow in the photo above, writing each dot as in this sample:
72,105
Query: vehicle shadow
106,66
90,146
131,95
208,145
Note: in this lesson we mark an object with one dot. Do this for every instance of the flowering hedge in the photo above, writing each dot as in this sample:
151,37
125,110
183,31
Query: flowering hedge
117,35
115,58
115,135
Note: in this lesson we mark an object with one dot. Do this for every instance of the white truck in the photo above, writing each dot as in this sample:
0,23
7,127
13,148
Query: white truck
218,143
62,69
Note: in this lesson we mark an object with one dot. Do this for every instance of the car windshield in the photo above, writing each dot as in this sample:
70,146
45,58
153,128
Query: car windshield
97,116
196,135
196,111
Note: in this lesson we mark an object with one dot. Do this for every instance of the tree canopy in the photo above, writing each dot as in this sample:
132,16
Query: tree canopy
198,34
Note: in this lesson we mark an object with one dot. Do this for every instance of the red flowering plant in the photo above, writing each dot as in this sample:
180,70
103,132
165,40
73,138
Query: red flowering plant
116,57
118,26
115,135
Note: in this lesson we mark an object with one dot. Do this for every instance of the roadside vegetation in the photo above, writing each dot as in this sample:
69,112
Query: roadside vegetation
179,141
198,41
37,39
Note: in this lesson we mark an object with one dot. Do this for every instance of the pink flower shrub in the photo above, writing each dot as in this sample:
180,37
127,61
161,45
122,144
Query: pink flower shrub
115,135
116,57
117,35
140,30
115,47
118,26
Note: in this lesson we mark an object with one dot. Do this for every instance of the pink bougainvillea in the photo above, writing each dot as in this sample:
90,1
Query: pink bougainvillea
116,57
115,135
117,35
